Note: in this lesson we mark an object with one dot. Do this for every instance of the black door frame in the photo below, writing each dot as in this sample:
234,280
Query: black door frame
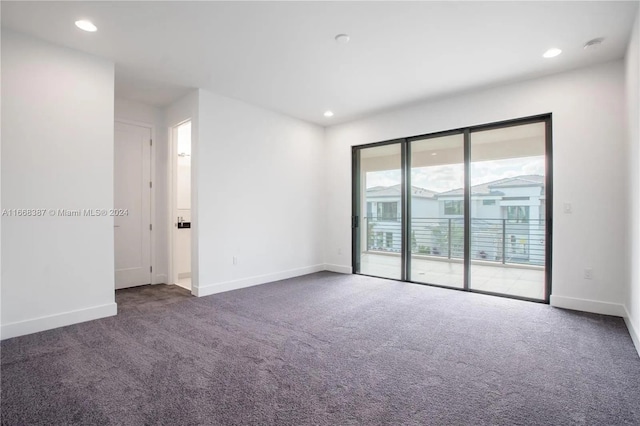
406,200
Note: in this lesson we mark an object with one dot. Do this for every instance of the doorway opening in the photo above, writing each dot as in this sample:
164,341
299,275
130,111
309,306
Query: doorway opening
181,237
468,209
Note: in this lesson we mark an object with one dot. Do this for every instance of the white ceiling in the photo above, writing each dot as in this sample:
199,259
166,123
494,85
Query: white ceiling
282,55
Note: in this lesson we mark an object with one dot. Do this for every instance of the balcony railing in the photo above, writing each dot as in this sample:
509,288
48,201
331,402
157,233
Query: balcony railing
493,240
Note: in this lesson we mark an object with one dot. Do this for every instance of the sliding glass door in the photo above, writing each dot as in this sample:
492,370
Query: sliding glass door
466,209
380,205
508,231
437,210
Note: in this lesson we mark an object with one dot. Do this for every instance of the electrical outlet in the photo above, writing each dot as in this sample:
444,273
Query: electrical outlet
339,251
235,260
588,274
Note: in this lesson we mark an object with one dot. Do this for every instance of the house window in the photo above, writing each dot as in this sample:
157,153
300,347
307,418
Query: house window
369,209
488,202
453,207
388,240
518,214
388,211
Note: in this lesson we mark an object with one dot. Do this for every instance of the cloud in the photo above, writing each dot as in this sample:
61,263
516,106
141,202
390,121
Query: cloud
451,176
534,168
383,178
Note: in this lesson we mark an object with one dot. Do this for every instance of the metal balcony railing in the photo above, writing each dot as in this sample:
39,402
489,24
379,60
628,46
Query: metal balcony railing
493,240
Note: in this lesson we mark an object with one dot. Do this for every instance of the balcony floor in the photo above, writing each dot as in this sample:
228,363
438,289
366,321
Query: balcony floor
507,279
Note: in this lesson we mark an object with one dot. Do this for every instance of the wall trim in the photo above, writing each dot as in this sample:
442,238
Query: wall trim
35,325
585,305
221,287
635,337
341,269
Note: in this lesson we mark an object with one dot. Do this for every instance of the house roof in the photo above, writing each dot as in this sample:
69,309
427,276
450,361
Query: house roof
493,187
528,180
394,191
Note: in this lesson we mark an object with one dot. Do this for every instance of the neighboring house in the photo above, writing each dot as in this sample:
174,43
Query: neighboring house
507,220
384,214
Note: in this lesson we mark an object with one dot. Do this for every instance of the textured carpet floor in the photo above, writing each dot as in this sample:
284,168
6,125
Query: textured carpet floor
325,349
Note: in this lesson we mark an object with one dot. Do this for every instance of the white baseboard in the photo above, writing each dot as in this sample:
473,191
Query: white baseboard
341,269
58,320
256,280
160,279
632,330
585,305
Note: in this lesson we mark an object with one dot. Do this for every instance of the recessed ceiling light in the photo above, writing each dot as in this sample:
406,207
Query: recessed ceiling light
434,153
343,38
551,53
86,26
596,42
328,113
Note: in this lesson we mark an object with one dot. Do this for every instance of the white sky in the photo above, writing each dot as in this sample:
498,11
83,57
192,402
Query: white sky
451,176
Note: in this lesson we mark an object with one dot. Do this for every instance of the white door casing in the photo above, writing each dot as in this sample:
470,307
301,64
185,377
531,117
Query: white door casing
132,193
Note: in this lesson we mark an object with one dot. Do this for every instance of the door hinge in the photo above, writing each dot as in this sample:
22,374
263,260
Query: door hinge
150,268
151,227
151,142
150,184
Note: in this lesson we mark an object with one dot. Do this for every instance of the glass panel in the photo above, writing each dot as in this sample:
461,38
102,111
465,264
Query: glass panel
508,211
380,230
437,211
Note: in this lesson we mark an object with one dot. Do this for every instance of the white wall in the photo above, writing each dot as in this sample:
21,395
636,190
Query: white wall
260,196
136,112
589,172
183,193
1,202
633,114
57,140
184,109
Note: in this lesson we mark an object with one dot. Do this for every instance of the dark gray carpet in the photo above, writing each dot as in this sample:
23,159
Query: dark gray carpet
149,297
325,349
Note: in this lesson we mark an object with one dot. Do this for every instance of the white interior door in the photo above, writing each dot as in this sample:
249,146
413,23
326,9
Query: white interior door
132,193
